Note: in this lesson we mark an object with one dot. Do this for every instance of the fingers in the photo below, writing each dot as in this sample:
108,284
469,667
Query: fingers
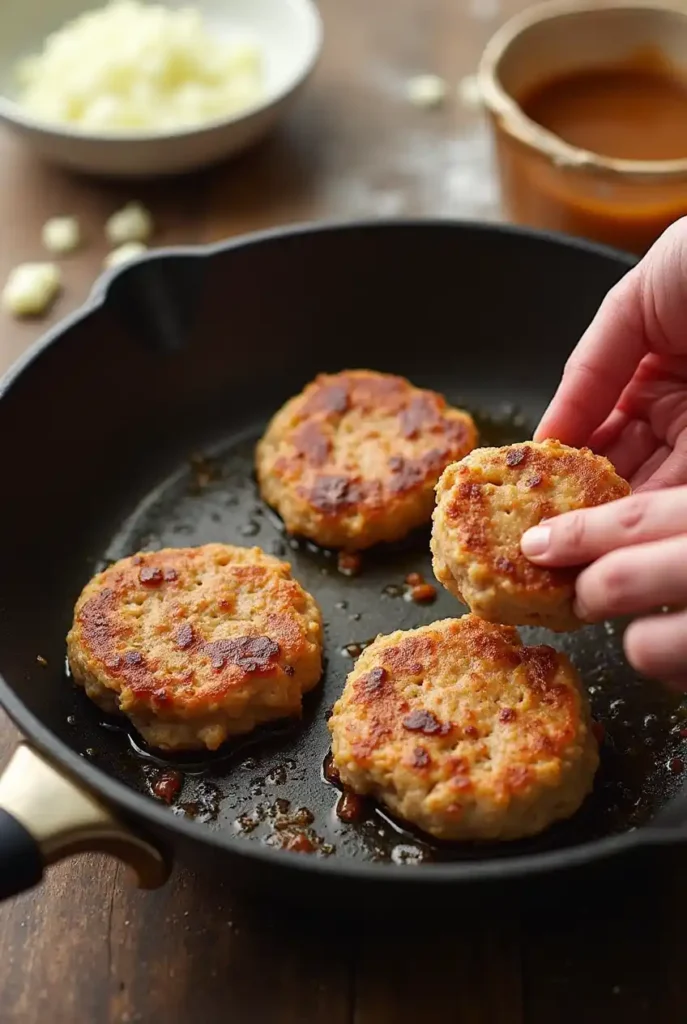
669,471
633,447
599,368
578,538
645,472
609,431
657,647
644,313
657,394
636,580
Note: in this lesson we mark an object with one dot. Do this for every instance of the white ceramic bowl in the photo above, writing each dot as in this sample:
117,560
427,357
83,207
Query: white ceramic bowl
290,34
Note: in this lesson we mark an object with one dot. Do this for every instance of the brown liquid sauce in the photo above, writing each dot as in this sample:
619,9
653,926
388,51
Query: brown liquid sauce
269,787
635,110
624,113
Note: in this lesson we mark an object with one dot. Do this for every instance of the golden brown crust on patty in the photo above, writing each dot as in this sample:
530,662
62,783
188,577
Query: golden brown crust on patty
354,458
196,644
465,732
484,505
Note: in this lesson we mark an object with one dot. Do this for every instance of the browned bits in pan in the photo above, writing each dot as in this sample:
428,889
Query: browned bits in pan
424,593
350,807
299,818
299,842
349,563
168,785
331,772
204,469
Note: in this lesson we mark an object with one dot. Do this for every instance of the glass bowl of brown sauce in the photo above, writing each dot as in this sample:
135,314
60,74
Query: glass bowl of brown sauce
588,105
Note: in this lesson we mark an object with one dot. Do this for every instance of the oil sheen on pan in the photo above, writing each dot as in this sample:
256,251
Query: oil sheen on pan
275,787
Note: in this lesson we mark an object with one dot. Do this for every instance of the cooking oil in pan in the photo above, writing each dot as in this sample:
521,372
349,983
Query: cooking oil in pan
269,787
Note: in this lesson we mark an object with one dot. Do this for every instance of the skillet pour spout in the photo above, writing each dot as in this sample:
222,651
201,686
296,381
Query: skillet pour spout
191,351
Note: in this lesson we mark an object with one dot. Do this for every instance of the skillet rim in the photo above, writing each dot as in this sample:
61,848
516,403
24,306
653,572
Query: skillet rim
140,807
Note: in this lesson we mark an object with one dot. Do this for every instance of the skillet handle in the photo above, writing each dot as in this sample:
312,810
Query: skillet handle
46,816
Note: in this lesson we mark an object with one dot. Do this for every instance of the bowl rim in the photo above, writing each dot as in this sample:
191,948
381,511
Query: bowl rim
510,117
12,113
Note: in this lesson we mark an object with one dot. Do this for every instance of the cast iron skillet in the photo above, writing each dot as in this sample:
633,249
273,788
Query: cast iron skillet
188,352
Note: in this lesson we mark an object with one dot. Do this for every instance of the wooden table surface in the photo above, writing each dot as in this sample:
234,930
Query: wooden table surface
86,949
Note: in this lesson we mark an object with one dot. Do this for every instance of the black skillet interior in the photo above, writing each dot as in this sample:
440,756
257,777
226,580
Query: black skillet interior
137,431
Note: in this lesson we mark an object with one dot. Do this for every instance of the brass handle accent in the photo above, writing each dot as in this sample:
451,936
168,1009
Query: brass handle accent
63,818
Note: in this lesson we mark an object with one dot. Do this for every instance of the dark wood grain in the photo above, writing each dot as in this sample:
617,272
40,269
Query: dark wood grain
87,949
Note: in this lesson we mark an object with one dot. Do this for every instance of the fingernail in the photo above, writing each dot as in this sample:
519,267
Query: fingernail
535,541
580,610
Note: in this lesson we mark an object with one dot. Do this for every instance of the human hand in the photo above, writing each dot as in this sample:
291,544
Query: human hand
624,388
635,550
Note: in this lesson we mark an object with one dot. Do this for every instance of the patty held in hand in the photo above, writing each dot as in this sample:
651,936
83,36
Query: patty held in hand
486,502
464,732
195,645
353,459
